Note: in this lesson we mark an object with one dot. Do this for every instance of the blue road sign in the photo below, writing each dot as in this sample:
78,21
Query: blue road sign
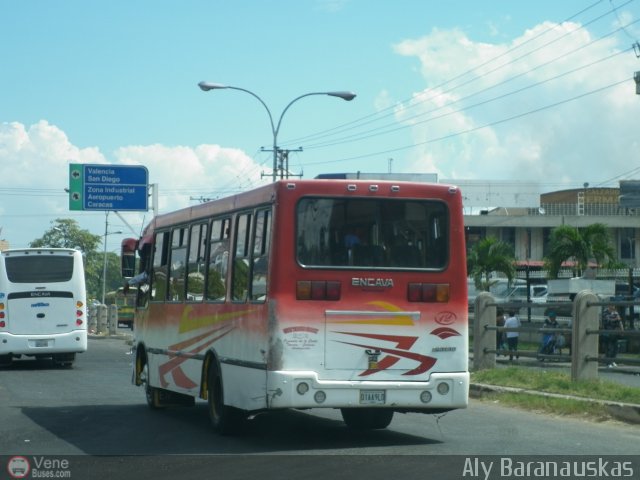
108,187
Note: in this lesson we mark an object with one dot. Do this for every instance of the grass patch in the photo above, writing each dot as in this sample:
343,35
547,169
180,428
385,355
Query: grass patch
547,405
555,382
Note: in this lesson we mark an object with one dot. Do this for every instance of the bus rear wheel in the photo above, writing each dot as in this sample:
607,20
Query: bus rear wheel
6,360
367,418
64,359
225,420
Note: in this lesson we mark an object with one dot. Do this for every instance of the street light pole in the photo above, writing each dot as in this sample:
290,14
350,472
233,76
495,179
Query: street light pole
275,128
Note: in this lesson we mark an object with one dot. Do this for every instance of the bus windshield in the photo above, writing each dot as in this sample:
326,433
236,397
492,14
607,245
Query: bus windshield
39,269
362,232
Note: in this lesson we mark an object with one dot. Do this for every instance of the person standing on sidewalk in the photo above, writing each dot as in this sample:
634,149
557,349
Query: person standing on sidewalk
499,333
611,321
512,321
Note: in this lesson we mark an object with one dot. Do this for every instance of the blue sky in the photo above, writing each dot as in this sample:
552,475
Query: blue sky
539,92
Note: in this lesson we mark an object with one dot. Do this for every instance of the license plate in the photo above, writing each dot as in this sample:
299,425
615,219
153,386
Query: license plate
372,397
42,343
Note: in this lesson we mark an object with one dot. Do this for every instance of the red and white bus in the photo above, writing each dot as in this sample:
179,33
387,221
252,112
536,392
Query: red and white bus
306,294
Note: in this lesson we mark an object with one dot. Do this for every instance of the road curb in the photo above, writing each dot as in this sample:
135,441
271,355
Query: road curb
626,412
128,338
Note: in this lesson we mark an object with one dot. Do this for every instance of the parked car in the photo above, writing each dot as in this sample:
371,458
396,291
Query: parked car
537,294
499,289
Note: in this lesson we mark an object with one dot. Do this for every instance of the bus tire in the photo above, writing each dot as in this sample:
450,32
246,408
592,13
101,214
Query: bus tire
225,420
367,418
152,394
63,359
6,360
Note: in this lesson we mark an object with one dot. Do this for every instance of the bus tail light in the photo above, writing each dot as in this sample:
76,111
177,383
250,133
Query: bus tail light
2,324
79,313
428,292
318,290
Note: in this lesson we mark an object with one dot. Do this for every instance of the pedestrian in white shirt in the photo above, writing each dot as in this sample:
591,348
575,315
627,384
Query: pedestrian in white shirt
512,337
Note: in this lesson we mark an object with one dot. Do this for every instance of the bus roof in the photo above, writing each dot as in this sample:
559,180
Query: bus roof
269,192
50,250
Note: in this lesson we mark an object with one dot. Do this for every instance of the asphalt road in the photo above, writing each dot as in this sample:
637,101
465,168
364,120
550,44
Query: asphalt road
93,409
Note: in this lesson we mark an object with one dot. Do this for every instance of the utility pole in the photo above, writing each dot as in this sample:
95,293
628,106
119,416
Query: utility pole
282,163
636,76
200,199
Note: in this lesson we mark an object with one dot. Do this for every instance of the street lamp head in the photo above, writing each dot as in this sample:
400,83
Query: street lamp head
206,86
348,96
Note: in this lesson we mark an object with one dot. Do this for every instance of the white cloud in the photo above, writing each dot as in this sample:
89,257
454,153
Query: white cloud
34,166
182,172
38,156
592,138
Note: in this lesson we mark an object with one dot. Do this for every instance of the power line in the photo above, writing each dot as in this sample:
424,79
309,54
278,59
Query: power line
615,10
380,115
369,134
474,129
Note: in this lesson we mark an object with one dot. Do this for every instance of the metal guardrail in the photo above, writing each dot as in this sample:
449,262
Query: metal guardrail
584,350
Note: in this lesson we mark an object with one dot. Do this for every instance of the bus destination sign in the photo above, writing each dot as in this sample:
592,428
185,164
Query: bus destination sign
108,187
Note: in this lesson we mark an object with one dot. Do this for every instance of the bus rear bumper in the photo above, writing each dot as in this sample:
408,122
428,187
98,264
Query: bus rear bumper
443,391
71,342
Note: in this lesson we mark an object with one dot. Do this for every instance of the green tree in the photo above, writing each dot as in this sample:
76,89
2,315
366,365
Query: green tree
580,245
487,256
66,233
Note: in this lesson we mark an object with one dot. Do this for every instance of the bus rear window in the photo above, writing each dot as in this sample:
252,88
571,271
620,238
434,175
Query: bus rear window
360,232
39,269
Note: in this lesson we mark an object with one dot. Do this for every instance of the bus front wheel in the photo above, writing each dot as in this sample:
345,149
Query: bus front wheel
225,420
367,418
152,394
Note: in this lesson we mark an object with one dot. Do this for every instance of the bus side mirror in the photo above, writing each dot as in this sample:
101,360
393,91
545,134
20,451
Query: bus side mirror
128,265
128,258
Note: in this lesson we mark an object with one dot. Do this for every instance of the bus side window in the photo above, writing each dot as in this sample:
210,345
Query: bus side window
178,264
160,267
195,262
218,260
260,260
241,258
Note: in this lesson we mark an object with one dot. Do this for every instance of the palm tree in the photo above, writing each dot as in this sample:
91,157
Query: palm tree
487,256
579,245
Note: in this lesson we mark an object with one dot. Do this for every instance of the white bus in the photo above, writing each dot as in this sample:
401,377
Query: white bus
43,309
